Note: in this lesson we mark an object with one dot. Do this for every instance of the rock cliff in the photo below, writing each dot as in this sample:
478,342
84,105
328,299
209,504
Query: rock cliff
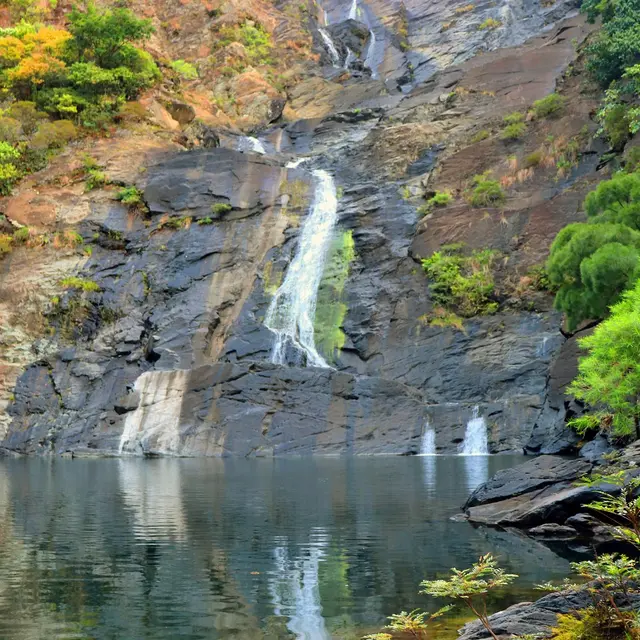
170,354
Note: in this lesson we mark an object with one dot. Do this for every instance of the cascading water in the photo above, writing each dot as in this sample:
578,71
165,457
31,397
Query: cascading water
249,143
292,311
476,442
369,61
428,442
331,48
349,60
353,11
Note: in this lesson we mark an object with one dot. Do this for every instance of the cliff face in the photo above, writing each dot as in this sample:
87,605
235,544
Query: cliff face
171,355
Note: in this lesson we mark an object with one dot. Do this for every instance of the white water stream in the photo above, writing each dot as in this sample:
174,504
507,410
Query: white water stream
249,143
292,311
353,11
428,442
331,48
476,442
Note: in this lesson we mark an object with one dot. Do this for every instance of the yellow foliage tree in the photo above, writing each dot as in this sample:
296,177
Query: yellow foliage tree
12,50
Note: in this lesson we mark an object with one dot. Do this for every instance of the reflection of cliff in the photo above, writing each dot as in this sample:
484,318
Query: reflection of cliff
152,492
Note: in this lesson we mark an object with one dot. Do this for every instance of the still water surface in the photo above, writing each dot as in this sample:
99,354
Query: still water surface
249,549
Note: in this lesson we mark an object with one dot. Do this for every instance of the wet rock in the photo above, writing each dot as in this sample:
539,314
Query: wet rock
531,476
127,403
553,531
594,450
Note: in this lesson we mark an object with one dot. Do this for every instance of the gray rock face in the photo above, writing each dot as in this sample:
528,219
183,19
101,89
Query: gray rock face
171,356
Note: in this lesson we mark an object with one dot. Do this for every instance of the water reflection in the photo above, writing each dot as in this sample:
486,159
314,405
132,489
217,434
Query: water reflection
295,588
265,549
476,469
153,495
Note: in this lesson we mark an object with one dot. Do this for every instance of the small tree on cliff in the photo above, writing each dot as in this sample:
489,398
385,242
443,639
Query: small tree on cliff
609,376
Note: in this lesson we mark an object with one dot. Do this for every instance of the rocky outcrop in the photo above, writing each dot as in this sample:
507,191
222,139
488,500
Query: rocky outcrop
535,618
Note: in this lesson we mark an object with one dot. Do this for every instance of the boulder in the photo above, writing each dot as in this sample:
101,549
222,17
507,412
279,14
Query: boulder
532,476
181,112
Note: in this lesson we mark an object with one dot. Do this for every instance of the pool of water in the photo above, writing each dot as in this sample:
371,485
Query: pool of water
259,549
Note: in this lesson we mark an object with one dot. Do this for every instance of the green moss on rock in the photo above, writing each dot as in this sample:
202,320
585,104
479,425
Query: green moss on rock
330,308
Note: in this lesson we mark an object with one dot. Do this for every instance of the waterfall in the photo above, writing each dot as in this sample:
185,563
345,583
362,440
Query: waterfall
349,59
331,48
292,311
428,442
353,11
475,438
248,143
295,591
371,49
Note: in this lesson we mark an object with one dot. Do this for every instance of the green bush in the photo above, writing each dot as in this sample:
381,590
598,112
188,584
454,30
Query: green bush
481,135
185,69
617,45
131,196
490,23
439,199
514,131
463,284
219,208
533,159
513,118
548,106
486,192
9,173
51,135
82,284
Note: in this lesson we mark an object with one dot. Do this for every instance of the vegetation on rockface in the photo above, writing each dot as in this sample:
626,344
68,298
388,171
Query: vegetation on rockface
460,285
592,263
486,192
609,375
53,81
614,61
330,308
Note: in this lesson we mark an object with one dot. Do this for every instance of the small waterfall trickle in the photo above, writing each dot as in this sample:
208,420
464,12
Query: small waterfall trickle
249,143
353,11
428,441
349,60
331,48
292,311
369,62
476,442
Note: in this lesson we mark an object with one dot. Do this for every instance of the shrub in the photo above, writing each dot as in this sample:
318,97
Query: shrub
617,45
6,243
514,131
54,134
204,221
483,134
10,130
27,114
609,375
185,69
9,173
130,196
220,208
486,192
95,179
548,106
533,159
81,284
463,284
490,23
513,118
472,586
440,199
